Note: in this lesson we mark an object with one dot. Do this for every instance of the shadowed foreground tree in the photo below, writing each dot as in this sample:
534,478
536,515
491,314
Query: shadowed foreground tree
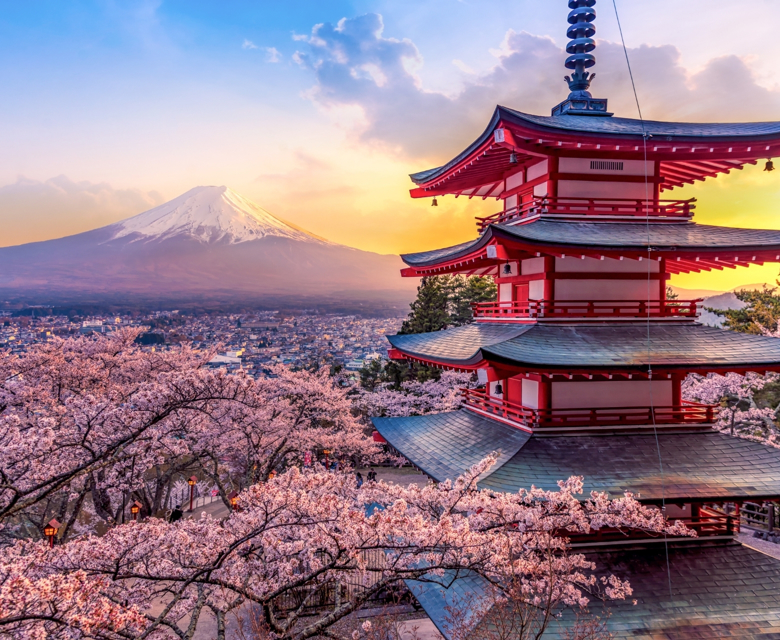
99,416
304,535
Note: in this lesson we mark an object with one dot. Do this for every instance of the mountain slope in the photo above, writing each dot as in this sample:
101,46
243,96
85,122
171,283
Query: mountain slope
208,241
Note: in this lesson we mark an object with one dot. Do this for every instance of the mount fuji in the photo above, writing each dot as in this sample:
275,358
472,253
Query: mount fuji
208,243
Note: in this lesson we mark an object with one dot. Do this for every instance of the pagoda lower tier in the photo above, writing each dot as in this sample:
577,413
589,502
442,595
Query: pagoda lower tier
680,592
719,587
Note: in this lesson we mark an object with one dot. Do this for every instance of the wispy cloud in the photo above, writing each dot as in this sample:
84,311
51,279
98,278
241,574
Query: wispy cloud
248,44
356,65
272,54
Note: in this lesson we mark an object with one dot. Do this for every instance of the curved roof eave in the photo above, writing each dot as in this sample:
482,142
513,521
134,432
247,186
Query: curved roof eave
617,128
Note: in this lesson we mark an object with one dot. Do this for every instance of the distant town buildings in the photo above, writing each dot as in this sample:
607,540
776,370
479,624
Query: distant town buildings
247,342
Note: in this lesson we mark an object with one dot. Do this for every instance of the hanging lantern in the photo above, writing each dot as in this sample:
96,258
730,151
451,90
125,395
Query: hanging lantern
507,269
434,203
499,390
513,158
770,166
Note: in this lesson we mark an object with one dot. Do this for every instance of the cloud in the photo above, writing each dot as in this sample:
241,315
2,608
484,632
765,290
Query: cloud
355,65
272,54
31,210
248,44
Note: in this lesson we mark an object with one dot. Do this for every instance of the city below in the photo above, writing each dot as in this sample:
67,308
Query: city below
250,342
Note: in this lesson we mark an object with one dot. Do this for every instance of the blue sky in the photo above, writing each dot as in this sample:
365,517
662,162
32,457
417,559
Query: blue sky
111,106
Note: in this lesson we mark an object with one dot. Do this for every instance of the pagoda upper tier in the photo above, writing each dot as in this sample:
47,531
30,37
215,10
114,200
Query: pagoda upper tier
507,156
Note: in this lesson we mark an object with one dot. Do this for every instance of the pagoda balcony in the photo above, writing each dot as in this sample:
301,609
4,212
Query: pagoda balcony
666,210
579,309
691,414
710,524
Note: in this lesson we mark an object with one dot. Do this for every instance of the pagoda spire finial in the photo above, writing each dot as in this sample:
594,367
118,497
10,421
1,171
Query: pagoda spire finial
580,33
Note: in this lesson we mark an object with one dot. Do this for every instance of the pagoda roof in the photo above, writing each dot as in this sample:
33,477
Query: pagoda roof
459,345
686,151
612,346
477,437
701,466
717,591
681,244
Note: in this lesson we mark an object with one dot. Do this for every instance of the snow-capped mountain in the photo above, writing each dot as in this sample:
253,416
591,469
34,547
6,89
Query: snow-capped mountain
208,242
208,214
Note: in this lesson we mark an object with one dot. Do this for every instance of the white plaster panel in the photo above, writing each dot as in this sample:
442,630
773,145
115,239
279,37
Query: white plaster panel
530,394
538,170
610,393
515,180
510,202
585,189
532,266
630,167
536,290
575,264
540,190
606,290
505,292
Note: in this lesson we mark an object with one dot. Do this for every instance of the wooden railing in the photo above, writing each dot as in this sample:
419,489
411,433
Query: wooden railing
546,309
618,207
539,419
707,525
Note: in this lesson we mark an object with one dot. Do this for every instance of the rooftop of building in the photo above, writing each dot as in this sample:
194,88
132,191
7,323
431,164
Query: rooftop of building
705,466
710,593
686,246
603,347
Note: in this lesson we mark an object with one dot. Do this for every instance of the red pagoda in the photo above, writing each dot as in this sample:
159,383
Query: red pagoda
582,356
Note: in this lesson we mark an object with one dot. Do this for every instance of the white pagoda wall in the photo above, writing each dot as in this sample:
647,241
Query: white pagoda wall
610,393
606,289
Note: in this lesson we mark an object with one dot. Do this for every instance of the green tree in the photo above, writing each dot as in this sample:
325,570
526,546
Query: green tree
429,309
465,291
762,311
445,301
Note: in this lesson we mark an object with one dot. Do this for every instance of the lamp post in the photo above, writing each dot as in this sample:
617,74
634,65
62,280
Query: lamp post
192,482
327,460
135,509
233,498
50,530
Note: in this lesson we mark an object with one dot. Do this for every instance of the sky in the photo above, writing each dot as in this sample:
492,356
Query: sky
319,110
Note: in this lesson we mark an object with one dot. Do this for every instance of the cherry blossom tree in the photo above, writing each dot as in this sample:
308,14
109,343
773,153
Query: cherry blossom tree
414,398
87,426
311,537
740,415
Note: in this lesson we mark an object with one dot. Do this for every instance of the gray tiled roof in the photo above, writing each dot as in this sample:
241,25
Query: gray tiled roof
627,236
701,466
723,591
627,345
446,445
459,344
618,127
593,346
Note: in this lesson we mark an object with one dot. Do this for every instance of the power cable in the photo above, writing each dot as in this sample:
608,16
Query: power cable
645,137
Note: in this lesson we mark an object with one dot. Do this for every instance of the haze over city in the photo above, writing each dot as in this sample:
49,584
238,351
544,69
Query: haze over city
317,111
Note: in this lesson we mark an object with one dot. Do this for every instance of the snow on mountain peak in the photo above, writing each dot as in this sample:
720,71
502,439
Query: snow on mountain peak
209,214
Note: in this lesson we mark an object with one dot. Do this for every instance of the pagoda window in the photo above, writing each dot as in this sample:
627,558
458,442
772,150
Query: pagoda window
591,394
600,166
